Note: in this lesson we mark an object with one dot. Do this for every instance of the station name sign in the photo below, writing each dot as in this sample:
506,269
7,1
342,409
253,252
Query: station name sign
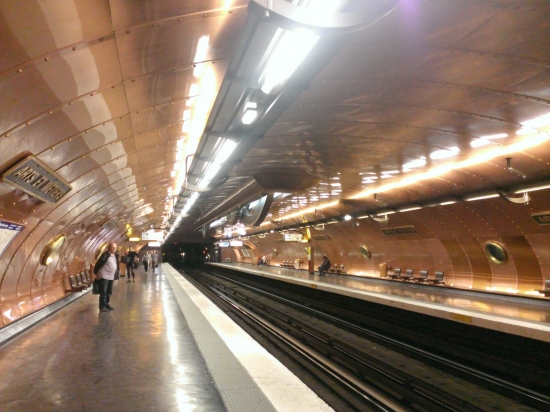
542,218
153,235
405,230
35,178
293,237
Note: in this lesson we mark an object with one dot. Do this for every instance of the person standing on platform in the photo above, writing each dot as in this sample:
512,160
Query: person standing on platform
155,260
146,261
107,270
324,266
130,259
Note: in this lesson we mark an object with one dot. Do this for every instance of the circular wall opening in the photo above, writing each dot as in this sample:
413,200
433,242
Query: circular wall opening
496,252
364,250
51,251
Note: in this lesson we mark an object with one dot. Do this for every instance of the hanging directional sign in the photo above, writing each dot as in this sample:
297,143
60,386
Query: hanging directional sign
38,180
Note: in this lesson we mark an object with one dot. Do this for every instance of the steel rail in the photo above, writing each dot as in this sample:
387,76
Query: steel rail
370,395
528,396
411,393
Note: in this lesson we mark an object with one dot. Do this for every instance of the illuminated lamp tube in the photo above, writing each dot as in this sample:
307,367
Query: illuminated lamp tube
481,196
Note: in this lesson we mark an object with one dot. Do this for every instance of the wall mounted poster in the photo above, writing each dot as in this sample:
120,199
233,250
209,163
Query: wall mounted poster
8,231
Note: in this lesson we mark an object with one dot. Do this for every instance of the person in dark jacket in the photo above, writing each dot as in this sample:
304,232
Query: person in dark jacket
324,266
130,259
107,270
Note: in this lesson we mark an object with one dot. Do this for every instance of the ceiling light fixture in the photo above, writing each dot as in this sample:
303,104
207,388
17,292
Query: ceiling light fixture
289,50
443,169
532,188
250,113
481,196
444,153
408,209
278,45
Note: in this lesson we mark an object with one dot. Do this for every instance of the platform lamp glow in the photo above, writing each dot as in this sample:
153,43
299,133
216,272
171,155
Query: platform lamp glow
52,249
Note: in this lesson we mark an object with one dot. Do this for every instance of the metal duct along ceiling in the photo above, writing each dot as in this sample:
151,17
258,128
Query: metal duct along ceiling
421,108
256,91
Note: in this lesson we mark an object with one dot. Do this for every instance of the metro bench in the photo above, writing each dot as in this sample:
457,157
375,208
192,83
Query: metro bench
80,282
341,269
546,290
421,278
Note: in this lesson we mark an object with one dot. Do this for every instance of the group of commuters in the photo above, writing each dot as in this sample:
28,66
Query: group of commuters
150,260
107,270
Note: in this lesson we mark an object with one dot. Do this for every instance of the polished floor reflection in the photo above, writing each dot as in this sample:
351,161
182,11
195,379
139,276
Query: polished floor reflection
139,357
513,307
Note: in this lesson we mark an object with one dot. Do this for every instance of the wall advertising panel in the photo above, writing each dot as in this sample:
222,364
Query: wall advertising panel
8,231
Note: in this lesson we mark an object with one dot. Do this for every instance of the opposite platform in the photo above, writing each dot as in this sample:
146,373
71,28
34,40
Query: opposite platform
515,315
146,355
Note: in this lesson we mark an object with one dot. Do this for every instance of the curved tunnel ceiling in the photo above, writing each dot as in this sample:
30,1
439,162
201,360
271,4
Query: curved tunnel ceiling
113,96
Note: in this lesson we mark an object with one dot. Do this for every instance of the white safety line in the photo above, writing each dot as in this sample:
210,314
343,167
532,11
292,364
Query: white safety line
281,387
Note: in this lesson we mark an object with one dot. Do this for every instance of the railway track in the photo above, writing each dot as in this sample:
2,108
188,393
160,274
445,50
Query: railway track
346,364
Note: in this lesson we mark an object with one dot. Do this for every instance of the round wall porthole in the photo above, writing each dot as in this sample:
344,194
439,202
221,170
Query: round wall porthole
51,251
496,252
364,250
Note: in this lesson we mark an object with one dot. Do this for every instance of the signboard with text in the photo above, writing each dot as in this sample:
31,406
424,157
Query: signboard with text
153,235
542,218
36,179
293,237
8,231
405,230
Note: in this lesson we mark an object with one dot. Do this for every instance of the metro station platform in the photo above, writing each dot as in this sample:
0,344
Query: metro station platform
523,316
165,347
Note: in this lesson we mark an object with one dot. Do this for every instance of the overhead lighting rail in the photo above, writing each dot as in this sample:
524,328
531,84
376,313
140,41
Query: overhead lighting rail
381,214
284,45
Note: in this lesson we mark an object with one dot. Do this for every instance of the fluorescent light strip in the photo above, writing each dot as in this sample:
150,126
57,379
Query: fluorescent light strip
310,210
480,197
443,169
389,212
249,116
410,208
533,188
291,49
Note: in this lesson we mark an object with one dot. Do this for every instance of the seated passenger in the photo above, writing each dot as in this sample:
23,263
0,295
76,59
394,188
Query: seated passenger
261,261
324,266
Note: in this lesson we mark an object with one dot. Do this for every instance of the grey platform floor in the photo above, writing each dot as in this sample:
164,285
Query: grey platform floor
139,357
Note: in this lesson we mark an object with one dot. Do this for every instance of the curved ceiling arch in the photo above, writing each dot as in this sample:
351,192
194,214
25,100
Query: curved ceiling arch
145,83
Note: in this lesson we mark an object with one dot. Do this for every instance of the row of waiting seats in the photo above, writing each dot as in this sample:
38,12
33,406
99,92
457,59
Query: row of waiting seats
336,268
81,281
421,278
546,290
